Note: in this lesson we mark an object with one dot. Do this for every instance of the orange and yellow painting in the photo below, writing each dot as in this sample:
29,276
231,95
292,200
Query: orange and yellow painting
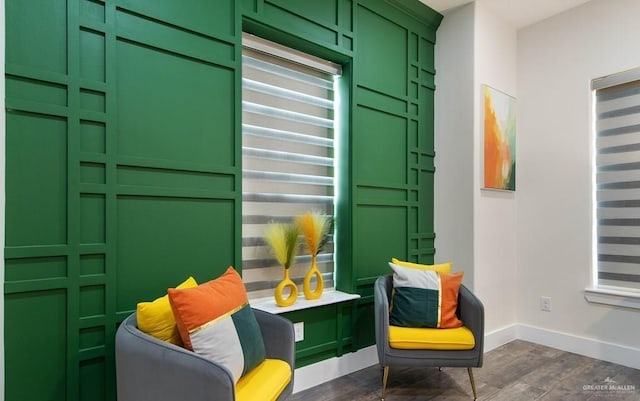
499,140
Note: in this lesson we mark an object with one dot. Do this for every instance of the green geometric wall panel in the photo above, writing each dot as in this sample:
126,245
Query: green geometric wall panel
92,301
29,318
381,235
212,18
44,48
36,192
426,203
92,379
92,265
322,11
124,176
33,90
92,136
383,137
319,334
92,219
92,55
92,10
161,241
92,100
186,119
176,179
91,337
35,268
392,151
381,37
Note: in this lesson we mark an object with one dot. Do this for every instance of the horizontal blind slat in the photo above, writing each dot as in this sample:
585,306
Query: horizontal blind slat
288,177
622,121
619,231
286,114
632,147
603,142
619,111
619,240
620,167
250,62
283,135
286,198
617,100
620,277
615,195
287,156
249,84
610,177
618,249
615,159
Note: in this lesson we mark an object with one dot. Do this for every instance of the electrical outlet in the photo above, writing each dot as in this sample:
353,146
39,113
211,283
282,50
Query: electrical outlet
545,304
298,329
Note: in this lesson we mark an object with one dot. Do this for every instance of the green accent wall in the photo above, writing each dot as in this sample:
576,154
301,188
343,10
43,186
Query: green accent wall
123,172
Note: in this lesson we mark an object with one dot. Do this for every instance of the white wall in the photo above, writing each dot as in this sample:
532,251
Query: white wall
537,241
476,229
454,141
557,58
495,230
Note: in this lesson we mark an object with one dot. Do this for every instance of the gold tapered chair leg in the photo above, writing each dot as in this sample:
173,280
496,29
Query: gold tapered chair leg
385,376
473,384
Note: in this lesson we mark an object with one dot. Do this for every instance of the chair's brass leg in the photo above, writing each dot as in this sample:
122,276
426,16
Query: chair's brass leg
473,384
385,376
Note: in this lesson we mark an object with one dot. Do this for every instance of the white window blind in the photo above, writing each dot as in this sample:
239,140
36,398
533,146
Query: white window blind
287,155
617,179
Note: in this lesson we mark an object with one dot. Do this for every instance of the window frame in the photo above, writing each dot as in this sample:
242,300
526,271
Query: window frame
328,66
602,293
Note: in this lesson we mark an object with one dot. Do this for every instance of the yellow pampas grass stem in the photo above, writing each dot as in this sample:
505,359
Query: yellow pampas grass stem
315,228
283,239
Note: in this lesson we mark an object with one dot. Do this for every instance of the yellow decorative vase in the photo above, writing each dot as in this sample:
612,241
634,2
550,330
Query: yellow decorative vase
306,284
293,294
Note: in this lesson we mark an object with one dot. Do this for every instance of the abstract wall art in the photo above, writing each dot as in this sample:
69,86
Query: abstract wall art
499,139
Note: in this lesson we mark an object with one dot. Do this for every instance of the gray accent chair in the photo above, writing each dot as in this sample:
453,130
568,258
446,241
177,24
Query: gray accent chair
148,369
470,311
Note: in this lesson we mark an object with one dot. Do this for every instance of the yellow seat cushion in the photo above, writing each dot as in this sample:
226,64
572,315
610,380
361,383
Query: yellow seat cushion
265,382
460,338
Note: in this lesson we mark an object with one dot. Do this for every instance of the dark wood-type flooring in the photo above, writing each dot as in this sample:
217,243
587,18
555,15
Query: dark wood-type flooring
517,371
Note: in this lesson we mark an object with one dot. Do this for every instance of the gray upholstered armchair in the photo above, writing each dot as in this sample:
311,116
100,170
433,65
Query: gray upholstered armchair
470,311
148,369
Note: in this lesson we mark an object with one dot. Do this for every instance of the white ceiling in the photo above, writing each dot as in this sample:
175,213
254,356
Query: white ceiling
519,12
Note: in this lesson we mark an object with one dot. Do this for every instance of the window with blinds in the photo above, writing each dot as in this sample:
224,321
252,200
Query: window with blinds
288,122
617,179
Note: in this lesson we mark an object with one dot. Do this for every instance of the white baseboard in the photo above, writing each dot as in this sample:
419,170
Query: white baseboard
329,369
620,354
500,337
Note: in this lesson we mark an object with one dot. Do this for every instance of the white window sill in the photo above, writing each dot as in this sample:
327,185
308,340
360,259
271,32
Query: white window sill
613,296
329,297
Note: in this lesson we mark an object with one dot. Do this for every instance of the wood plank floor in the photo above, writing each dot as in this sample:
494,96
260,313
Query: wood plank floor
518,371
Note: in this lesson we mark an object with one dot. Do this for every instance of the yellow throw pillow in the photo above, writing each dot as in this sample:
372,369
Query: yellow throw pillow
156,318
442,267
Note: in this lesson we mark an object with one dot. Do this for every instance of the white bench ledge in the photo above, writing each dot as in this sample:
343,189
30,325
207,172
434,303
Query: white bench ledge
329,297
